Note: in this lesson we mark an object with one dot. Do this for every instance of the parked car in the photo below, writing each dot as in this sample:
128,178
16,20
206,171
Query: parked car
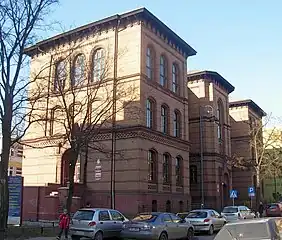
257,229
96,223
274,210
157,225
232,213
206,220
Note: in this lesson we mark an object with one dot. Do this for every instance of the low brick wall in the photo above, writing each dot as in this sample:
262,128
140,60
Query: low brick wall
26,232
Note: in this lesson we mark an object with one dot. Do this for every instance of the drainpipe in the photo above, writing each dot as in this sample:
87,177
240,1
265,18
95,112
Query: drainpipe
114,117
48,94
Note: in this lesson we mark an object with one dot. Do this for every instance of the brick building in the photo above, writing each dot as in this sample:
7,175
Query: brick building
153,172
243,115
158,139
208,97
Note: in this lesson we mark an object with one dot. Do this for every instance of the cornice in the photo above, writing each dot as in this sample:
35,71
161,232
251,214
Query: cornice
139,16
121,133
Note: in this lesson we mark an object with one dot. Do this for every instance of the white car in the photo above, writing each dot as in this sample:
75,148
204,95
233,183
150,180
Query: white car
206,220
232,213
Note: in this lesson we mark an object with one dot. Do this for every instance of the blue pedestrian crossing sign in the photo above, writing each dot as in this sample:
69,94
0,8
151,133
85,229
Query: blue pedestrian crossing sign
233,194
251,192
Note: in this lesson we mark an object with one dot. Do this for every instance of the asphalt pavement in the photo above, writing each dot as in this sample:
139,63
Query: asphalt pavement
204,237
197,237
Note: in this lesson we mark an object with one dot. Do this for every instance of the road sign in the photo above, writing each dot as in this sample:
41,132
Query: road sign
233,194
251,192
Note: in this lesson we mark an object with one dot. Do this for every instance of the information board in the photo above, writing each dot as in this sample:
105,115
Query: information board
15,184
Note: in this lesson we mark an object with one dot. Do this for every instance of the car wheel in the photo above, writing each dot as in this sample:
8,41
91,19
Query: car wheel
163,236
190,234
211,230
98,236
73,237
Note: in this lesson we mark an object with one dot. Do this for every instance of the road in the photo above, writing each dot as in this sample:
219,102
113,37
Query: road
204,237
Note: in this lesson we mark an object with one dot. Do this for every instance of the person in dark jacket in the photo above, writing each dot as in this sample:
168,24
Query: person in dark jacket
261,209
64,224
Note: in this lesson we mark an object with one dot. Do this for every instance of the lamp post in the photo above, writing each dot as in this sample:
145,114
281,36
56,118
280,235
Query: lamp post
205,111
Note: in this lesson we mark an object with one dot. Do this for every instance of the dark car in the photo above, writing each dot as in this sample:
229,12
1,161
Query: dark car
274,210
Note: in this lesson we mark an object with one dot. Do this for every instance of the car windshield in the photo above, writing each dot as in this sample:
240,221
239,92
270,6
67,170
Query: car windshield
145,218
272,206
197,214
230,210
86,215
182,215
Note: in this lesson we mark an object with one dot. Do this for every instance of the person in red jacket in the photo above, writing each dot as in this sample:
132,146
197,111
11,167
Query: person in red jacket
64,224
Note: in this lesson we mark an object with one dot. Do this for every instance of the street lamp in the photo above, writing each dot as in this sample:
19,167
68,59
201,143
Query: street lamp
205,111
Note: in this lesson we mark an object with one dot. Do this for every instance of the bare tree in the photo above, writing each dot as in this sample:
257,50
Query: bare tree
19,21
83,100
265,152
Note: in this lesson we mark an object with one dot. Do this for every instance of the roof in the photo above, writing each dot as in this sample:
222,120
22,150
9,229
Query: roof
257,220
94,209
143,13
249,103
206,73
202,210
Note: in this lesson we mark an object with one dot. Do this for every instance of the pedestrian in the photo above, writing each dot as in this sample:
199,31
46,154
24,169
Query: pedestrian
261,209
64,224
88,205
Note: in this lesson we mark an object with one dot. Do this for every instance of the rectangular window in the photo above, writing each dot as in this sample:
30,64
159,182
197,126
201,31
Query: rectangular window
164,120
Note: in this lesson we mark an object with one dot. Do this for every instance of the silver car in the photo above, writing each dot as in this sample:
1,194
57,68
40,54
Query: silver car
258,229
206,220
232,213
96,223
156,225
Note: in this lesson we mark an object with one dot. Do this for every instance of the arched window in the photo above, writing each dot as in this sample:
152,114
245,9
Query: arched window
154,206
176,123
164,119
75,109
168,206
220,118
78,70
252,132
175,78
60,76
166,169
152,166
150,108
163,71
98,65
149,63
193,174
179,171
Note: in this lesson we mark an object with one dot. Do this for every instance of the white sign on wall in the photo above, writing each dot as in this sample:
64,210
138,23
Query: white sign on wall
98,170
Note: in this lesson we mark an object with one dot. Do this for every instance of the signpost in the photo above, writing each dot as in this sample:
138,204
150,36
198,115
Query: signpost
233,194
15,185
98,170
251,193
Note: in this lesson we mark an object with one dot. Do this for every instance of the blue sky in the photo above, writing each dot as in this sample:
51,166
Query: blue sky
241,40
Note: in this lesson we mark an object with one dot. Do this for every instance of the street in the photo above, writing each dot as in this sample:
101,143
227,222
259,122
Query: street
203,237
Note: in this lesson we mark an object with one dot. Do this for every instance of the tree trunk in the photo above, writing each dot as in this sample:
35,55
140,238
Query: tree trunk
5,157
73,161
258,189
